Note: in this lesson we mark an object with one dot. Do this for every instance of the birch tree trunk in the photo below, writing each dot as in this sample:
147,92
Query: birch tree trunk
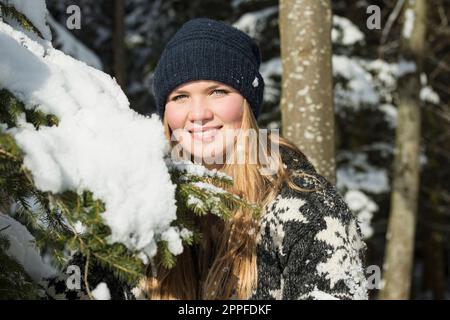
307,113
399,256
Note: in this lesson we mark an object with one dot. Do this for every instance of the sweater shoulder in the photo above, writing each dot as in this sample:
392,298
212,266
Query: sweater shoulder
299,214
312,238
314,190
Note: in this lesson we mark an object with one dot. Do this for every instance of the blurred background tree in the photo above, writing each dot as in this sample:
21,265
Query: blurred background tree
307,94
399,255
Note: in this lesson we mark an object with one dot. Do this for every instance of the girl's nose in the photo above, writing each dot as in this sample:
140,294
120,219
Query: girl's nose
200,111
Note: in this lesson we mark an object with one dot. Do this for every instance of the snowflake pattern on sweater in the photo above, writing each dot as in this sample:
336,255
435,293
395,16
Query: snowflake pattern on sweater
309,246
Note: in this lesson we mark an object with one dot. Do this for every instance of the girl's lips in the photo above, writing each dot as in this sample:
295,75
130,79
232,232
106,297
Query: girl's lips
206,135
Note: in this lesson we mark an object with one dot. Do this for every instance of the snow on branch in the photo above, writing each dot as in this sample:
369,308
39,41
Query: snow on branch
100,144
97,174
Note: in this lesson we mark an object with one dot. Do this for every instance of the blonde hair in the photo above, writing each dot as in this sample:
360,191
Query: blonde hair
223,265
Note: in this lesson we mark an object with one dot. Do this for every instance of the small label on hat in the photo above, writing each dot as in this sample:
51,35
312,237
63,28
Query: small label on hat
255,82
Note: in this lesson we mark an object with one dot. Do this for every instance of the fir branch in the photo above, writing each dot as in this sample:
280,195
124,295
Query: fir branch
168,259
86,282
14,281
12,108
53,223
10,11
111,263
6,154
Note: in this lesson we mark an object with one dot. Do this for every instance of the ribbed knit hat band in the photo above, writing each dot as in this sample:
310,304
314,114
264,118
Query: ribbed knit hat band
206,49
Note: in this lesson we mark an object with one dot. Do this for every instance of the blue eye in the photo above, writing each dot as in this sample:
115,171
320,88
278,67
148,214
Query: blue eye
178,97
215,91
221,91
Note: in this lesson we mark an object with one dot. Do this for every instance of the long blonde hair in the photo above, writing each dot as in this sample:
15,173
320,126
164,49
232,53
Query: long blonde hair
223,265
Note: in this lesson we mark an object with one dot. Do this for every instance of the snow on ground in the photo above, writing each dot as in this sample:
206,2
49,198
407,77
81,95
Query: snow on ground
100,143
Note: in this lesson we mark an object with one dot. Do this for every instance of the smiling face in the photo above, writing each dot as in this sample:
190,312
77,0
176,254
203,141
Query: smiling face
204,116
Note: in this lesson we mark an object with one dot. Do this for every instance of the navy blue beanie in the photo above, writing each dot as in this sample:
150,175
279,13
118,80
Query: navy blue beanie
206,49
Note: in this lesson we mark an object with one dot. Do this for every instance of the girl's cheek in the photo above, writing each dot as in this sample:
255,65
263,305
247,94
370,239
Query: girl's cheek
175,116
231,110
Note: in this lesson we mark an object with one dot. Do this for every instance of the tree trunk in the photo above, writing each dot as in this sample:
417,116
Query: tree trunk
119,45
434,265
307,95
398,264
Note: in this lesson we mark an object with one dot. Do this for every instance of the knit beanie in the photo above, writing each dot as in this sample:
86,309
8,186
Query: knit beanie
206,49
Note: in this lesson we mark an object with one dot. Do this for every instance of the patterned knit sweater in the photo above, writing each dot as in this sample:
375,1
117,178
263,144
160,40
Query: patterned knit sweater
309,246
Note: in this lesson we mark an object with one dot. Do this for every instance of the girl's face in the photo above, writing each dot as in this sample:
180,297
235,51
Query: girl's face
204,117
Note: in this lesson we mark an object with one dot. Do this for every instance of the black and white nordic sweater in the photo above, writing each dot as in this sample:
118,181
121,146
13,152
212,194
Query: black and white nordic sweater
309,246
